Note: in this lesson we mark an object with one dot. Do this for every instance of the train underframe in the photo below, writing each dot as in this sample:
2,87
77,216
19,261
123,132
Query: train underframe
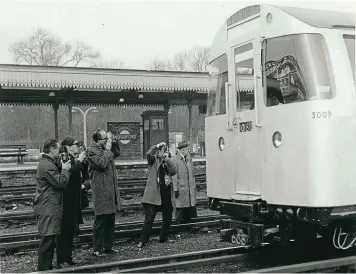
254,223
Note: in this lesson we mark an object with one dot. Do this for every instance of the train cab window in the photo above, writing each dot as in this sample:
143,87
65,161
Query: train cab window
296,69
350,46
244,72
218,76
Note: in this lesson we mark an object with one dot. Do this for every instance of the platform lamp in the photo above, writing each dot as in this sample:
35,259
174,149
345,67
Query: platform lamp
94,110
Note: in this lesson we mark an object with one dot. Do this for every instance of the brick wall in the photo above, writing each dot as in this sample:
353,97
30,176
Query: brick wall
129,135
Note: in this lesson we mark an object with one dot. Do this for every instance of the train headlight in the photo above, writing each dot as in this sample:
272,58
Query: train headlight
277,139
269,18
221,143
289,213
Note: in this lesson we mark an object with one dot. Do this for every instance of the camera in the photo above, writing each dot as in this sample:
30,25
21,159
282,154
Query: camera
63,154
115,147
81,147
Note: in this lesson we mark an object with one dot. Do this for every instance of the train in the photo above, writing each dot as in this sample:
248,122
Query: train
280,126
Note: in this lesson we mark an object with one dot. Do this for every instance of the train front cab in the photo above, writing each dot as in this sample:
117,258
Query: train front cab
281,130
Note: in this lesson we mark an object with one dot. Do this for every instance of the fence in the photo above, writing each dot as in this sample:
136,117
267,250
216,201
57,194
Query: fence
30,144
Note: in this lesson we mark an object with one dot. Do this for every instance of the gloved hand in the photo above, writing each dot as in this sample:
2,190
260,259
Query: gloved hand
176,194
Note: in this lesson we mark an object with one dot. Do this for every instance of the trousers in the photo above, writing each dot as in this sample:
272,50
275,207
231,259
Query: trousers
65,241
150,214
103,231
46,252
184,215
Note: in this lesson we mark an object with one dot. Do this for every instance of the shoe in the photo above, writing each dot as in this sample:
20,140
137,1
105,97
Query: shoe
110,251
76,239
98,254
58,266
163,240
140,245
71,262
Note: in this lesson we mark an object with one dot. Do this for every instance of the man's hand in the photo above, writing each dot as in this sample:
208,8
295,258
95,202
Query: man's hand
161,144
108,144
109,135
82,156
176,194
67,165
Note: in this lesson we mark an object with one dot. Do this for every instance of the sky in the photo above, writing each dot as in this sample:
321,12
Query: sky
134,31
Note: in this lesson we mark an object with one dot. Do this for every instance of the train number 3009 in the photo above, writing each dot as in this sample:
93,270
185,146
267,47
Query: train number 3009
321,114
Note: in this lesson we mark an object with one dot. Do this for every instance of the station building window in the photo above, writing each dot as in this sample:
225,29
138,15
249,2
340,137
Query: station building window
157,125
296,69
218,71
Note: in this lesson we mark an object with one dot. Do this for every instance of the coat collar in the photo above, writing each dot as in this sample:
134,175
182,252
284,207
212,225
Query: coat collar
96,146
49,158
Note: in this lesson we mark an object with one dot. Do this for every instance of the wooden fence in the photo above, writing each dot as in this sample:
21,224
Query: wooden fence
30,144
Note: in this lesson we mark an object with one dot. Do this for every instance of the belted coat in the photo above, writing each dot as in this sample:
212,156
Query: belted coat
103,180
48,201
152,193
184,182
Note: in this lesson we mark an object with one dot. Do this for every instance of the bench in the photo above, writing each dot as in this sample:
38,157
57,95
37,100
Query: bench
13,151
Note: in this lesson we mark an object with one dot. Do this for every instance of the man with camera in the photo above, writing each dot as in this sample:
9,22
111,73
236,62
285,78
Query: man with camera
71,201
158,192
105,189
50,184
184,185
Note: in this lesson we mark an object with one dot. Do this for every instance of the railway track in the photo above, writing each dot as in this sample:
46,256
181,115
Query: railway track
25,193
29,197
28,216
12,243
342,264
165,263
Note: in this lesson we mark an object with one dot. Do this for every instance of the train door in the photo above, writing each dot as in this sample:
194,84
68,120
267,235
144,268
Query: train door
246,64
220,162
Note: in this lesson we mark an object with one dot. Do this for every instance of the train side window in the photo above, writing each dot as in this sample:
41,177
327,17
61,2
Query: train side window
218,76
296,69
244,72
350,46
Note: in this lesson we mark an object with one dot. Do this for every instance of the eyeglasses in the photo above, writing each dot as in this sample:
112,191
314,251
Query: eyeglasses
76,143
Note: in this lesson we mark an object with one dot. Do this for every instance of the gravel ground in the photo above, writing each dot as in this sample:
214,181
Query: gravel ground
20,263
89,220
127,199
222,268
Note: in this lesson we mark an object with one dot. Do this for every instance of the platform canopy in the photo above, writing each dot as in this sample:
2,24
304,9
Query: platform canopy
40,85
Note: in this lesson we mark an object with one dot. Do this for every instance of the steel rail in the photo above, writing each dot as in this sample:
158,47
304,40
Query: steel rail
29,197
319,265
122,232
29,216
164,263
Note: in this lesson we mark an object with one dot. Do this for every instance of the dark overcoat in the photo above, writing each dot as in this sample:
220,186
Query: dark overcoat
103,180
48,201
71,194
184,182
152,194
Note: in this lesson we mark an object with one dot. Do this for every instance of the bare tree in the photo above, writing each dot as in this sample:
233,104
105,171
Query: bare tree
113,64
158,64
198,59
45,49
180,61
